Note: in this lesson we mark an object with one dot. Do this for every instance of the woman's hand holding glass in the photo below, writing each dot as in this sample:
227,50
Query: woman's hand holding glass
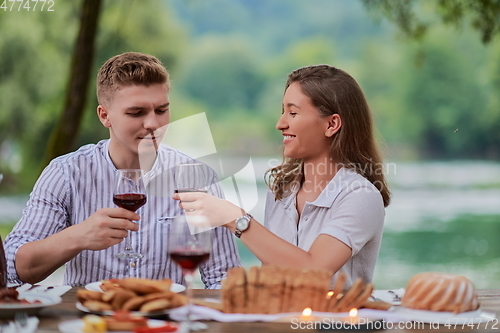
216,211
191,177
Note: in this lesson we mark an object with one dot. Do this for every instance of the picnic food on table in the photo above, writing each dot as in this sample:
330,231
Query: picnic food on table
11,296
132,294
8,295
122,321
270,290
94,323
440,292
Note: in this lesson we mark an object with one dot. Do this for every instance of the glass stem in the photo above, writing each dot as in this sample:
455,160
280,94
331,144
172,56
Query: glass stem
188,277
128,244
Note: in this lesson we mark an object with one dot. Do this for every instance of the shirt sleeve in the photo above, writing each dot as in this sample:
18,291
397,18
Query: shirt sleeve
356,217
224,253
44,215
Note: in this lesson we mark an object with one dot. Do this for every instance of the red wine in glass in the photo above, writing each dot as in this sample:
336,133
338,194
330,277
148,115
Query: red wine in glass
189,245
130,201
129,193
189,259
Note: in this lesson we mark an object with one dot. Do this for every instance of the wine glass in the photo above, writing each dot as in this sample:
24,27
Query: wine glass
129,193
189,245
191,177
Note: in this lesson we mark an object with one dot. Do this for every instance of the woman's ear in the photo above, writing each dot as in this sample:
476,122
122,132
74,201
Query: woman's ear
334,125
103,115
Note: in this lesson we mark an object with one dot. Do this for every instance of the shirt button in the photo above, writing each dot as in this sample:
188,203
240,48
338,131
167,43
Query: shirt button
132,264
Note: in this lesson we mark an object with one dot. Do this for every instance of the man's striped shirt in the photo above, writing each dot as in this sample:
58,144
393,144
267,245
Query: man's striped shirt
72,187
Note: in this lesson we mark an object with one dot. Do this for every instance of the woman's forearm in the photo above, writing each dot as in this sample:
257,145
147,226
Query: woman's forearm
325,253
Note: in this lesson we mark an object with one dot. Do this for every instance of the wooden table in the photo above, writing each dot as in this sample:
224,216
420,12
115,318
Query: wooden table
50,317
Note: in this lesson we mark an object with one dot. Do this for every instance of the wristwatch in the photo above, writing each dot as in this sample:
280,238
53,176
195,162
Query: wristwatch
242,224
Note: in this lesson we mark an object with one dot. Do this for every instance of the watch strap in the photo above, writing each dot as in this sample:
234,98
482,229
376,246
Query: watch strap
238,233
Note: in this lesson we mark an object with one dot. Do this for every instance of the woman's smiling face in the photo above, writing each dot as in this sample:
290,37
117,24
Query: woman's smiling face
304,130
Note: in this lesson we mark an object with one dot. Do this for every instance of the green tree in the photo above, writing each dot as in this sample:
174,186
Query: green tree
448,90
223,72
446,94
65,133
492,123
147,26
35,56
124,27
384,74
35,49
412,17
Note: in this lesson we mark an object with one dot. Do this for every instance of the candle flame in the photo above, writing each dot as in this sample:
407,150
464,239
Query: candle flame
353,312
307,312
329,294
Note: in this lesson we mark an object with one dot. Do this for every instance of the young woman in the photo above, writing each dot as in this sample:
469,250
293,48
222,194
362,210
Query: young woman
325,206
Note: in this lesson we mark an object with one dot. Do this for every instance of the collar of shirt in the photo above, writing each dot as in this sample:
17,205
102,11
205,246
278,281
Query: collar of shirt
338,183
329,193
158,165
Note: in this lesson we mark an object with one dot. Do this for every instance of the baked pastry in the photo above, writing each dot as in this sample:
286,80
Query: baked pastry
440,292
132,294
271,289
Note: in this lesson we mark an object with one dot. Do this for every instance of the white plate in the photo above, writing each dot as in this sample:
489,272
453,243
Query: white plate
96,286
445,318
76,325
82,308
9,310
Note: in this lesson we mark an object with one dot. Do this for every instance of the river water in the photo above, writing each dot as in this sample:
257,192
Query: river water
444,216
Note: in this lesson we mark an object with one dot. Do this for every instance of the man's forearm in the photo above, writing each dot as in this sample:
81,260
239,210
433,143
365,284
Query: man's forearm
38,259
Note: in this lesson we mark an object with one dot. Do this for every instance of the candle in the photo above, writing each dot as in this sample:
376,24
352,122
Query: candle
353,316
354,323
306,314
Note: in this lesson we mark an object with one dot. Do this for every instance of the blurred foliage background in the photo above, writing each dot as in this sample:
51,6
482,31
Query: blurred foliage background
433,97
430,70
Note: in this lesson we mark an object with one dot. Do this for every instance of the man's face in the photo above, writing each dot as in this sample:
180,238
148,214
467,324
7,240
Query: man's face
136,115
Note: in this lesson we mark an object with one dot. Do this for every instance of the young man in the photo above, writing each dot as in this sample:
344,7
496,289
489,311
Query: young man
70,217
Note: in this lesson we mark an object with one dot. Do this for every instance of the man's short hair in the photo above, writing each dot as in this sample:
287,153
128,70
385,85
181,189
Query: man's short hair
127,69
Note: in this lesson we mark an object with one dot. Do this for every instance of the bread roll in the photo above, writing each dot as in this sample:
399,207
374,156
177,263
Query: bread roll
440,292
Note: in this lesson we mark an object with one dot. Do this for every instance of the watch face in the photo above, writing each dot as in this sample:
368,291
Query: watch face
242,223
